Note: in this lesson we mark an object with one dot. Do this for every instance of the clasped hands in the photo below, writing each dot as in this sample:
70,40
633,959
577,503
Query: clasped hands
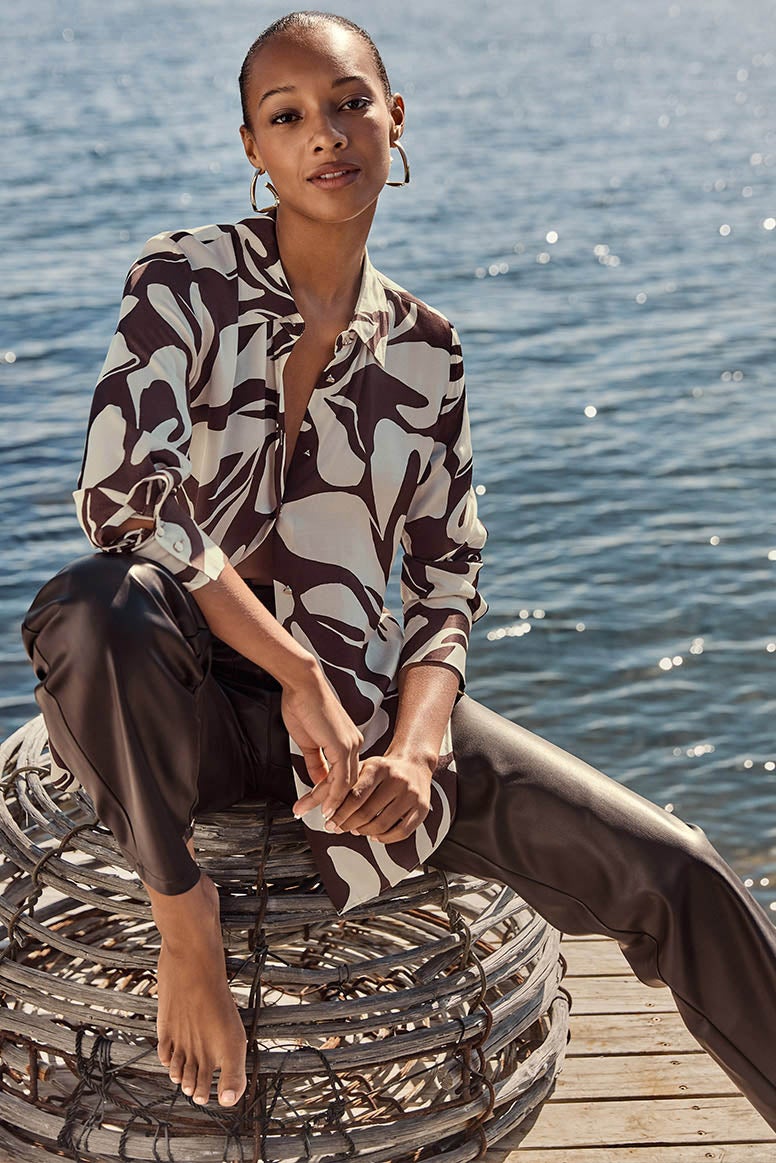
389,800
386,796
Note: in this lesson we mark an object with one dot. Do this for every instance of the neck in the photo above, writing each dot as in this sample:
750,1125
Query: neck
322,260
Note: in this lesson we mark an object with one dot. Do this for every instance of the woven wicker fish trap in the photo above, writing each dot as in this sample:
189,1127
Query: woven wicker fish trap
423,1025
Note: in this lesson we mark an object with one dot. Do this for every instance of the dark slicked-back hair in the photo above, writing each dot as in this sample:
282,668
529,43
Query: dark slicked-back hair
305,21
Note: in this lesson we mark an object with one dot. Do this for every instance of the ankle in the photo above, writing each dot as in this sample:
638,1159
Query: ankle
190,919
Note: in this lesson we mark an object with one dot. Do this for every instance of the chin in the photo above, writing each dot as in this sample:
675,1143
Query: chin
325,208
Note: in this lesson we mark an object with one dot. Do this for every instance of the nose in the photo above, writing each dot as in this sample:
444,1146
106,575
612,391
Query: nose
327,134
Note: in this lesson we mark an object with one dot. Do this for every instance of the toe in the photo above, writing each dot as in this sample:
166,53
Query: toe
204,1079
189,1076
176,1065
164,1050
232,1082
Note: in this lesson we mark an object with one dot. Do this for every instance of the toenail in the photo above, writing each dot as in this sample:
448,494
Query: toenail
228,1096
200,1098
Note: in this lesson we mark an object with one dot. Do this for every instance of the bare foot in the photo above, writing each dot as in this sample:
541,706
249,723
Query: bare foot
198,1024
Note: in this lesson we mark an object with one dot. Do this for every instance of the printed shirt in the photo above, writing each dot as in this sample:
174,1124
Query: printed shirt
187,427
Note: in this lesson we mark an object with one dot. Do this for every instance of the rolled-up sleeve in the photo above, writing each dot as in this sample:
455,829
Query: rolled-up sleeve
136,458
442,541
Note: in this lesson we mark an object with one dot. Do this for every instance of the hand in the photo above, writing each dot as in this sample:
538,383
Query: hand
390,799
325,734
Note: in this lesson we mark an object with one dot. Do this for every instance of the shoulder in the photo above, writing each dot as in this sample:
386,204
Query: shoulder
415,320
209,247
190,269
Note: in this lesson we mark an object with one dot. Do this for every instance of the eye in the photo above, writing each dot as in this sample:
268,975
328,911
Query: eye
357,103
279,118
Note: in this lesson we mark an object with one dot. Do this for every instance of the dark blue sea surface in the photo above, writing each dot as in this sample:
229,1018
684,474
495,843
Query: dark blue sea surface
593,203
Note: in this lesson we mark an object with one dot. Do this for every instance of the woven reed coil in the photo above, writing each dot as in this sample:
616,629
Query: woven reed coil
423,1025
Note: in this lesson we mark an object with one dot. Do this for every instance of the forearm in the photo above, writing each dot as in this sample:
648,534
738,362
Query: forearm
237,617
426,697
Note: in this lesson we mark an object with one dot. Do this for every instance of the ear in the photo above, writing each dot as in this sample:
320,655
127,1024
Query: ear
398,116
249,145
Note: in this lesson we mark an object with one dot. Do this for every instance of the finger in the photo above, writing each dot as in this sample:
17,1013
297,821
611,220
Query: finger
386,820
337,785
366,799
367,806
310,800
401,829
315,762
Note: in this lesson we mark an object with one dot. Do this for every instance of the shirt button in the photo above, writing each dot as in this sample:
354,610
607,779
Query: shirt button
286,589
330,379
178,546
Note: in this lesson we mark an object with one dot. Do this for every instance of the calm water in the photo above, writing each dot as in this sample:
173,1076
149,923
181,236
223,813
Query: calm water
593,203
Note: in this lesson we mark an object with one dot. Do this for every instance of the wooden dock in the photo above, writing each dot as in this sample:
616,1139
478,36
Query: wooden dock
635,1087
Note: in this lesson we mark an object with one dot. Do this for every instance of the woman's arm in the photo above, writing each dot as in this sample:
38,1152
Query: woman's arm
325,734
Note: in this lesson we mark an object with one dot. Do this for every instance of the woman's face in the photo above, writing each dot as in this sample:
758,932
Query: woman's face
317,105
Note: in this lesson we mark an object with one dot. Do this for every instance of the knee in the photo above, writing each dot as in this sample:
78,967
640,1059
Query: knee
687,863
98,603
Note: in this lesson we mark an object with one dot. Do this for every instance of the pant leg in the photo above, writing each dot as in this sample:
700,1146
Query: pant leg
122,653
593,856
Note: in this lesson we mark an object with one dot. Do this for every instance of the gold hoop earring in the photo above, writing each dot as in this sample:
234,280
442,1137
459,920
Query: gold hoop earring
406,179
270,187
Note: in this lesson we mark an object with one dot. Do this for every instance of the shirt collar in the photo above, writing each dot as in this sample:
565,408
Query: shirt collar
371,316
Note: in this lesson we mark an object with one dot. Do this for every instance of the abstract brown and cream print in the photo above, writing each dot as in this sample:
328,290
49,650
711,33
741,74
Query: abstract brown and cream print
187,427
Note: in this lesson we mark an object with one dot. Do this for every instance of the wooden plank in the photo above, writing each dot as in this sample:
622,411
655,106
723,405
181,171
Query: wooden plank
703,1153
636,1087
618,995
645,1033
638,1122
596,958
641,1076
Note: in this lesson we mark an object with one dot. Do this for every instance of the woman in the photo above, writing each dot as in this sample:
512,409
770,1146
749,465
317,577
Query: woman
273,419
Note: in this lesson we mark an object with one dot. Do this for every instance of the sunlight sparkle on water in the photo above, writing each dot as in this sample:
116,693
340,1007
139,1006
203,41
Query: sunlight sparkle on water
670,663
517,630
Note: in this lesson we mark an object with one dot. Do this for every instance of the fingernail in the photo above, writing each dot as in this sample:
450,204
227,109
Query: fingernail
228,1096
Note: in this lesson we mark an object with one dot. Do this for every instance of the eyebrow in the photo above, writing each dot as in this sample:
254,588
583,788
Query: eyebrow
292,88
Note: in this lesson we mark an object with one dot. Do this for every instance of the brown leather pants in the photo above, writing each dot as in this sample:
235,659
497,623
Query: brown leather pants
157,719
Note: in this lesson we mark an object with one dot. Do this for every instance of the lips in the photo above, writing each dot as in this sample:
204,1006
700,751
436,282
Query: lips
334,176
332,170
